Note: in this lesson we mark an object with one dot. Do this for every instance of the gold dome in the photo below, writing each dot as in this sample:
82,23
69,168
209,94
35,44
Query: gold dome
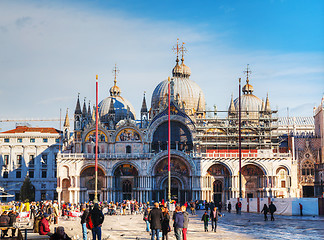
247,88
186,71
115,91
177,70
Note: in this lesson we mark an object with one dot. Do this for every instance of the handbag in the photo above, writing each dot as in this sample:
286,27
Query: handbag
89,223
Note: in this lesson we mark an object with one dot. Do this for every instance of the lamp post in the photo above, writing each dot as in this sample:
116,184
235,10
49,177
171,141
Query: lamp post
169,144
240,147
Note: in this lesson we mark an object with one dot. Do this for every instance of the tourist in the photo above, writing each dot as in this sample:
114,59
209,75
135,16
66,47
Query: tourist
178,222
145,218
13,217
185,222
265,211
155,218
97,218
60,234
55,212
44,225
84,217
165,223
229,207
214,218
272,209
205,219
301,209
4,222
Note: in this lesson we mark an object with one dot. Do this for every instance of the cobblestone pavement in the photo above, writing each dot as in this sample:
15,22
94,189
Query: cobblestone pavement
231,226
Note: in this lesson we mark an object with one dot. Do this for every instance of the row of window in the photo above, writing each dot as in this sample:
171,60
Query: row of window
31,174
31,160
32,140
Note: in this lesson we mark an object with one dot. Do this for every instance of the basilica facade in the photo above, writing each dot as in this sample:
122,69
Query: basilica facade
133,156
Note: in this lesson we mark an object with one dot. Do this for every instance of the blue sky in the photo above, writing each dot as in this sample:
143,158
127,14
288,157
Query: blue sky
52,50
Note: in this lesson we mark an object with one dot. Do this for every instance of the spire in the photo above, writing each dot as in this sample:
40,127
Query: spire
89,110
262,106
186,71
115,90
78,106
247,89
111,107
144,107
267,105
231,108
177,70
199,107
66,121
84,110
94,113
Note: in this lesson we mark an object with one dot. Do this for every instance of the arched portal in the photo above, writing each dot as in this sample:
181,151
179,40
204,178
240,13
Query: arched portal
180,137
125,177
252,181
87,181
220,179
180,180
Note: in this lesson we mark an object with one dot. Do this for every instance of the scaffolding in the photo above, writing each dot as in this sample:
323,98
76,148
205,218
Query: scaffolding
219,130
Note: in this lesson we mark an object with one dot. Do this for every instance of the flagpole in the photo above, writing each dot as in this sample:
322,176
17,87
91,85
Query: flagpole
96,150
240,147
169,144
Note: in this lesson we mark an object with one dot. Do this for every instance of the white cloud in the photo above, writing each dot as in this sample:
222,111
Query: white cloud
49,53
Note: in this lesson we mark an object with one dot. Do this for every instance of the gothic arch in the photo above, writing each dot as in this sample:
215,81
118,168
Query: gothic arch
210,164
257,164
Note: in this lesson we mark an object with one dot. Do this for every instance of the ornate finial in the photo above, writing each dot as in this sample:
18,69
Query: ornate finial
183,51
78,94
115,72
247,72
176,49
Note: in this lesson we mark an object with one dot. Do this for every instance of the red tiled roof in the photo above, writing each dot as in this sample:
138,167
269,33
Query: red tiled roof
23,129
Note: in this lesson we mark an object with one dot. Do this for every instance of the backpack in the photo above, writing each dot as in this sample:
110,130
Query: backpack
89,223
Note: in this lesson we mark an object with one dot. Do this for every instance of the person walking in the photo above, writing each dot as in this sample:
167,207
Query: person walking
145,218
237,208
165,223
265,211
55,212
178,222
44,228
229,207
205,219
272,209
214,214
185,222
155,218
301,209
84,217
97,218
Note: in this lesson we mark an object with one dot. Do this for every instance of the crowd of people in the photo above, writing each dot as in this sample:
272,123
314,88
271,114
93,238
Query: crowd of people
158,218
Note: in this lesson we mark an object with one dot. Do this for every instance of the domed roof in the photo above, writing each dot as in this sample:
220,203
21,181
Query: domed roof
177,70
120,107
119,104
186,71
249,102
185,90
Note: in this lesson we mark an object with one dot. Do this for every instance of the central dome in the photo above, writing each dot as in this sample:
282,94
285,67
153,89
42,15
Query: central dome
188,94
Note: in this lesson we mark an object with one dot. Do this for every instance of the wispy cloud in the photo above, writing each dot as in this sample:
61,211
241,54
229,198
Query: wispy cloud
50,53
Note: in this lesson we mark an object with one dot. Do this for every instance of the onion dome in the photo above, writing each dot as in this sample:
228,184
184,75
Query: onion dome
186,71
122,107
251,105
177,70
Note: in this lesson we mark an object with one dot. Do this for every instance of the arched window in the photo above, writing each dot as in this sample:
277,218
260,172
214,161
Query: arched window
128,149
307,168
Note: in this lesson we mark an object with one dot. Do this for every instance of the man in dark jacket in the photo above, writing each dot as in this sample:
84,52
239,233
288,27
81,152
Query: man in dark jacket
214,218
155,218
178,222
97,218
84,217
272,209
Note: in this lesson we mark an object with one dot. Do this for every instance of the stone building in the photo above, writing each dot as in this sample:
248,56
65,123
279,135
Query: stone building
204,148
29,151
